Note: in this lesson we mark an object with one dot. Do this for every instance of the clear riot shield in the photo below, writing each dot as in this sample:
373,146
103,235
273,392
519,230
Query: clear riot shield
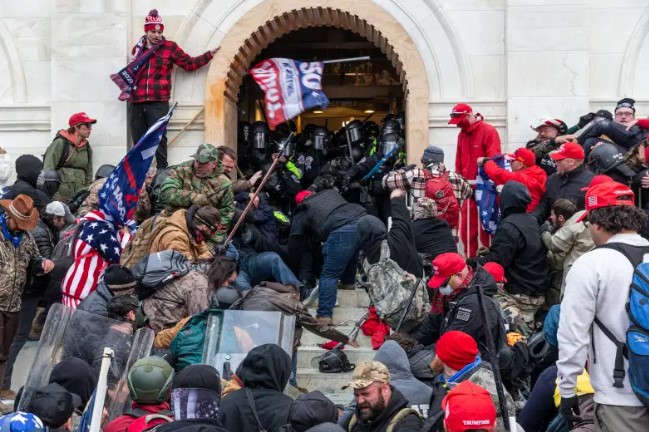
74,333
230,336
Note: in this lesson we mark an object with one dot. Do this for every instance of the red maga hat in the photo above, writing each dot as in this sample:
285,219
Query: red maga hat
445,265
468,407
607,194
457,114
568,150
81,117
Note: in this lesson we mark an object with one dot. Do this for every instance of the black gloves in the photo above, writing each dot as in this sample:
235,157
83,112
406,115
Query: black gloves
220,250
569,409
546,227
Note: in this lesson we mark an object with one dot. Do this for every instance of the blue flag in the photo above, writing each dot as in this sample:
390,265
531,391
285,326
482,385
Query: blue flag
486,196
119,195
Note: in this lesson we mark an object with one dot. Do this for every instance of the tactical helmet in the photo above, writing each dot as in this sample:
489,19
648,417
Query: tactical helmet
390,126
320,136
538,346
49,181
355,131
104,171
388,143
335,361
607,157
259,135
371,130
149,380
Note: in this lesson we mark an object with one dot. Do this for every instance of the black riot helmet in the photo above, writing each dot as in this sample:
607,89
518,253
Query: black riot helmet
607,158
391,126
104,171
320,137
355,131
388,143
259,135
335,361
371,130
244,131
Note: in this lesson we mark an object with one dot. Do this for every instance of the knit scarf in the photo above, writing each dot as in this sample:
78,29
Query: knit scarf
127,77
14,239
439,302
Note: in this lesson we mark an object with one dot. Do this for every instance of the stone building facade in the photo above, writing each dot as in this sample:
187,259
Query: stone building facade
513,60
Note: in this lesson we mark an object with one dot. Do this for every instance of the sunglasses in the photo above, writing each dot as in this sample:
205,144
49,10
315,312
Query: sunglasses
88,125
457,114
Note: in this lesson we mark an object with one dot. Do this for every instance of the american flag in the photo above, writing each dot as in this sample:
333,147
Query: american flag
97,246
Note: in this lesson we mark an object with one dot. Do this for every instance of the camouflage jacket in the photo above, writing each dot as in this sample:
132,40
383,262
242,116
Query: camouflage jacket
179,188
16,263
178,299
142,210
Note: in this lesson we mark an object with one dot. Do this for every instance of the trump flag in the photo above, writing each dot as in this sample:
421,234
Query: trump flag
119,195
291,87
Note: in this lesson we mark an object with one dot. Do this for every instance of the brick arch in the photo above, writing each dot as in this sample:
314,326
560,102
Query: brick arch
270,20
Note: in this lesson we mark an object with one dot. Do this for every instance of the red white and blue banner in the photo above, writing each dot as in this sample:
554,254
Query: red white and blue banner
291,87
119,195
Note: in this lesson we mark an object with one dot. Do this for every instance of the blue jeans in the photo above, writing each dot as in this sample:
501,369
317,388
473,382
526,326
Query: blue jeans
340,253
266,266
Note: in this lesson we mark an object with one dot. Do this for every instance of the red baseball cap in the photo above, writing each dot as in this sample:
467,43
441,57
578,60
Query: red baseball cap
458,113
526,156
607,194
598,179
468,407
445,266
302,195
81,117
496,271
568,150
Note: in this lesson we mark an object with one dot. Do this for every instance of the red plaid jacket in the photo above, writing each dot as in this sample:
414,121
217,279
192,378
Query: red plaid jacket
154,80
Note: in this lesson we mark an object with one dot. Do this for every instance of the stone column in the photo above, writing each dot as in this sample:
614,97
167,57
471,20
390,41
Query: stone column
547,64
89,42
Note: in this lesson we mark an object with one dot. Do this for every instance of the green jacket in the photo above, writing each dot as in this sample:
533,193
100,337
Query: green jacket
76,173
181,187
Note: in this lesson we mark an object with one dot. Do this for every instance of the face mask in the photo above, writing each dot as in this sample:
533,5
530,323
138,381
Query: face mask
445,290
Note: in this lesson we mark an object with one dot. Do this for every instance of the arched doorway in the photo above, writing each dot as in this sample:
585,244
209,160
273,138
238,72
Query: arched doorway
270,20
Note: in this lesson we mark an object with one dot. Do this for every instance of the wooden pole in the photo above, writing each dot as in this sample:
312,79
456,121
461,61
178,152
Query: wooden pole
173,140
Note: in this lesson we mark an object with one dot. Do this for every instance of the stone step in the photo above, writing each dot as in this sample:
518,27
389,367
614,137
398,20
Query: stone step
312,339
347,316
329,384
349,298
307,354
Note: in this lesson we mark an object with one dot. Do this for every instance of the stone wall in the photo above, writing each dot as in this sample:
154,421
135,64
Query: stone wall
513,60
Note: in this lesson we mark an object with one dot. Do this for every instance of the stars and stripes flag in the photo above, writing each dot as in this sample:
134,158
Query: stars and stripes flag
290,86
118,197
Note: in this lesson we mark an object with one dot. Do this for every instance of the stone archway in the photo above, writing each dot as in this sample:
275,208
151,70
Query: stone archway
270,20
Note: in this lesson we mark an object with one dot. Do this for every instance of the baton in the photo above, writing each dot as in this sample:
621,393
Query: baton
282,147
491,349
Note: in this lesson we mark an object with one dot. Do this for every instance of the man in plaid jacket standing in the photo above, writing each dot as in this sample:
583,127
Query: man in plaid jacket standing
150,97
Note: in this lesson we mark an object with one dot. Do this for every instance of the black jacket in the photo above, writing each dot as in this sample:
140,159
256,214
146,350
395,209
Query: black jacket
97,301
396,403
566,186
265,372
433,237
193,425
46,237
465,313
372,232
28,167
517,245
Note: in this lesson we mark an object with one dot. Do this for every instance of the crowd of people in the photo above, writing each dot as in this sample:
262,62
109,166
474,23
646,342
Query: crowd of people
507,294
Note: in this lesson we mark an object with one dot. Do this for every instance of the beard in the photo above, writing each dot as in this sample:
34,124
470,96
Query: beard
369,412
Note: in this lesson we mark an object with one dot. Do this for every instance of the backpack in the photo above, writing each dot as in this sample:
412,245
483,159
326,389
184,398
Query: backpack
157,269
63,255
78,199
636,347
145,421
140,245
187,347
389,287
439,189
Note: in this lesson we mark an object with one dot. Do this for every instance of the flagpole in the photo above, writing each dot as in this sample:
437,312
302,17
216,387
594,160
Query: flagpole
347,60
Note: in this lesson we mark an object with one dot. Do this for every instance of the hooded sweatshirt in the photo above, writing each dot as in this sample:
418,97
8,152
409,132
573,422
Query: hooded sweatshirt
28,167
517,245
372,231
265,372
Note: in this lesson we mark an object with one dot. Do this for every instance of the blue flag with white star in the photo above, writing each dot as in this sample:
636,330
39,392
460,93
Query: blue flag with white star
119,195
